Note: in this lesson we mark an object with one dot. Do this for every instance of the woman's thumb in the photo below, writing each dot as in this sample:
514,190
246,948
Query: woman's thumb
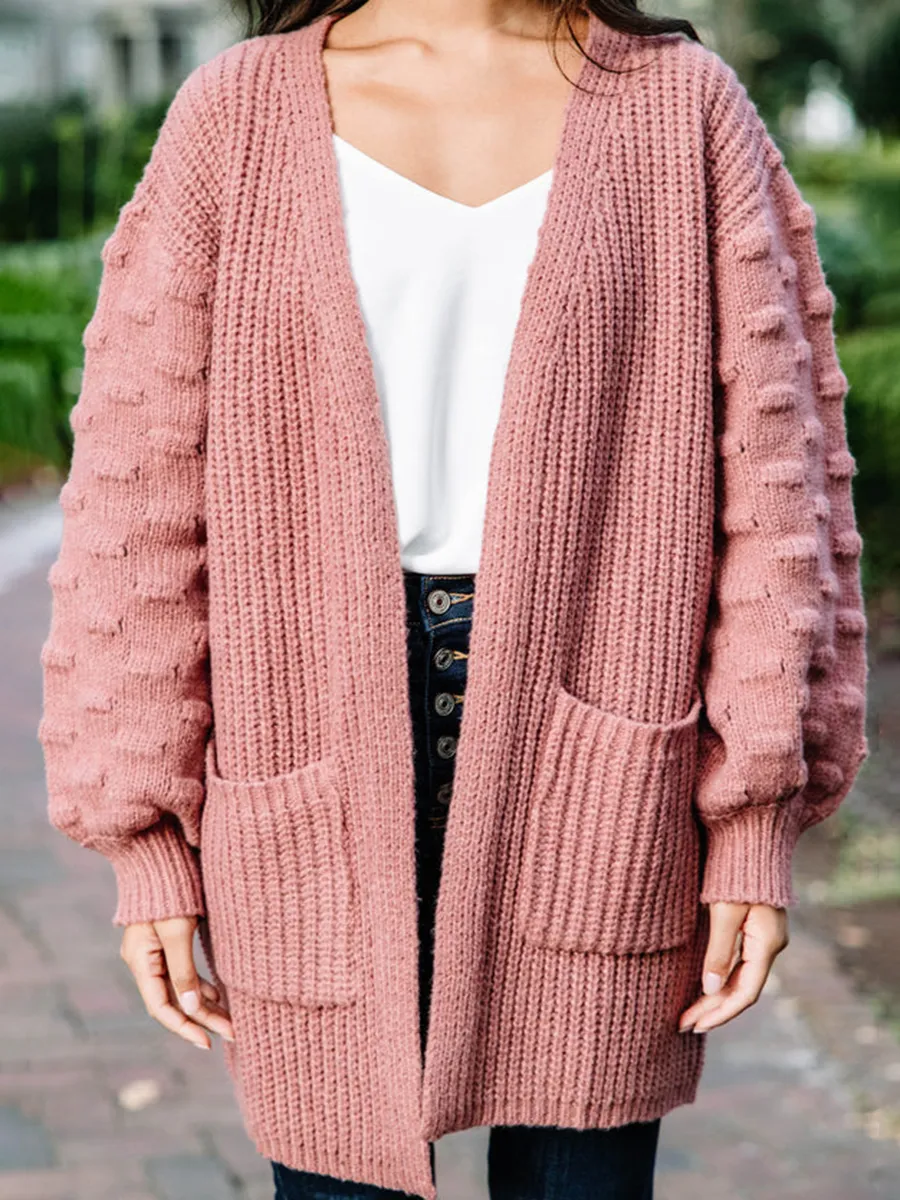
177,938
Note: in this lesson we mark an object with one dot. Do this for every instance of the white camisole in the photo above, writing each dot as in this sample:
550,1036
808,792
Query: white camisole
440,287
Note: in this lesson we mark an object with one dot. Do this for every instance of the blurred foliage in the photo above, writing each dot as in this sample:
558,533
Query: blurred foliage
65,171
47,294
856,194
782,44
872,80
870,359
774,45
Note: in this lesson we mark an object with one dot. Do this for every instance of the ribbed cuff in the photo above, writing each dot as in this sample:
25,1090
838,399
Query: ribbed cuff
749,856
158,875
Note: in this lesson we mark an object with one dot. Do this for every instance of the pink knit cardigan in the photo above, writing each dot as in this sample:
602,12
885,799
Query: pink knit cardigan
667,673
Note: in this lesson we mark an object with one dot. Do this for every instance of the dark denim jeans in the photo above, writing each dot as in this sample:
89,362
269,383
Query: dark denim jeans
524,1162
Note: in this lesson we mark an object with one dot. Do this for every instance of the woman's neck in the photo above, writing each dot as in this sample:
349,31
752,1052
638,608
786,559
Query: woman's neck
441,20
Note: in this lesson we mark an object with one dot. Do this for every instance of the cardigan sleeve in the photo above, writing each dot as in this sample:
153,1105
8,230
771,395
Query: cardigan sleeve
126,707
784,664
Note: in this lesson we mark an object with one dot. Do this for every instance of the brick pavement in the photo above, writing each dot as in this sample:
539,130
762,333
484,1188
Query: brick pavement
99,1103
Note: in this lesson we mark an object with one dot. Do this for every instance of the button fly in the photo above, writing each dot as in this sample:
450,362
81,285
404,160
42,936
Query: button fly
444,704
444,792
438,600
443,658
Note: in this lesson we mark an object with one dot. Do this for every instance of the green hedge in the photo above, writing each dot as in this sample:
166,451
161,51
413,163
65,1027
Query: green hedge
65,171
871,359
47,295
856,195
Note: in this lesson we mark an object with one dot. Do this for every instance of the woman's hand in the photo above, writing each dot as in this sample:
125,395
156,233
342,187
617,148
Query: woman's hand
744,940
160,956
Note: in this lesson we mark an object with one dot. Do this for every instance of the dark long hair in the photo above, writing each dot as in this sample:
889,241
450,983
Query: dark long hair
279,16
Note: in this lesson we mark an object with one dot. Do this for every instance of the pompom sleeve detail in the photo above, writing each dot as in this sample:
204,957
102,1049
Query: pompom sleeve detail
784,664
126,704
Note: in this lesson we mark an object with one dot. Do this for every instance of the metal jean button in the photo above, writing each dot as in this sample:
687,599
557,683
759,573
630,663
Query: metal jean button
438,600
446,746
443,793
444,704
443,658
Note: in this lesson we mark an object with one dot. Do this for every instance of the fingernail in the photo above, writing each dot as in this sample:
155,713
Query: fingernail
202,1046
228,1037
712,983
189,1001
686,1029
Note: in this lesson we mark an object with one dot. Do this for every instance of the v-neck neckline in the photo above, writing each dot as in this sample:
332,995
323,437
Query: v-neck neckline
353,405
338,295
398,179
356,402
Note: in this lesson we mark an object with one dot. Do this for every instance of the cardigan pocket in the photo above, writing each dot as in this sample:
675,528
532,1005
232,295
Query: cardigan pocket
280,885
611,857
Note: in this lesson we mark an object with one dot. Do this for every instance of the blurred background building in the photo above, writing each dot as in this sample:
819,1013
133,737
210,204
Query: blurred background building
112,52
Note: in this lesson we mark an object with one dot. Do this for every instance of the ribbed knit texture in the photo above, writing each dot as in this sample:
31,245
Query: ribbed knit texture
667,674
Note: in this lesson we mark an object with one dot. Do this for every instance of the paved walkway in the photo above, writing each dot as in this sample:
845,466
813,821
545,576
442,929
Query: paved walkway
99,1103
